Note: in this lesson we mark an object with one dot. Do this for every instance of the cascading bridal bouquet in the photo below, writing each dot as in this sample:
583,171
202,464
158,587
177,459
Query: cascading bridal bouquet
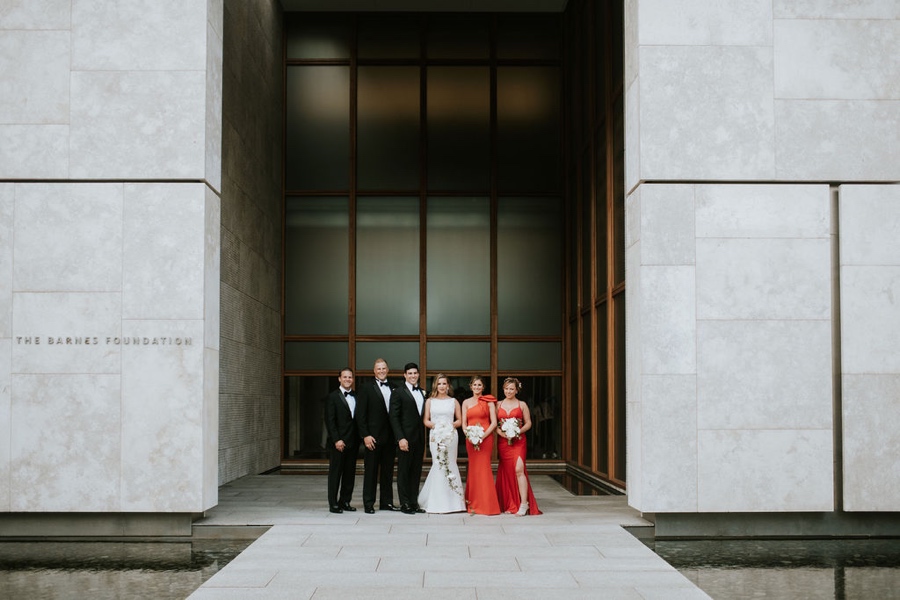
475,435
442,435
511,428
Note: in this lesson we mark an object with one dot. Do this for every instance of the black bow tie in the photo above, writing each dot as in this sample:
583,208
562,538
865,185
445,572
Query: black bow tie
347,394
384,383
417,388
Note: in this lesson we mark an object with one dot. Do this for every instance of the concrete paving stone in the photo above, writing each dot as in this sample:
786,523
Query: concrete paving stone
551,562
307,564
533,551
514,580
337,529
236,577
367,539
393,593
578,539
477,539
482,528
460,565
607,593
205,593
577,549
289,579
397,552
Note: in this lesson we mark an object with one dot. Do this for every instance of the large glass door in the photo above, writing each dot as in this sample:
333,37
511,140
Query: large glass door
424,207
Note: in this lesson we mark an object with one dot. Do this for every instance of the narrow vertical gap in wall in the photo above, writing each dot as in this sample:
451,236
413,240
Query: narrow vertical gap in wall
837,404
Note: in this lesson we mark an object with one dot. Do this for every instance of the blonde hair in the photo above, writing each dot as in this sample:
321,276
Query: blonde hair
434,383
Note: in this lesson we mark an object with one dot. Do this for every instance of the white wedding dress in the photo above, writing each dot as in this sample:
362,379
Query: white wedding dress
443,491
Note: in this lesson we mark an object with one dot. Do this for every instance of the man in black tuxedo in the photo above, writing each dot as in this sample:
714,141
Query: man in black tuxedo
343,443
374,423
407,404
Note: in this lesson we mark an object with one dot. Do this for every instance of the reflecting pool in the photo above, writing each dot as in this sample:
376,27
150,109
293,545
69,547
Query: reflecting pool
105,570
847,569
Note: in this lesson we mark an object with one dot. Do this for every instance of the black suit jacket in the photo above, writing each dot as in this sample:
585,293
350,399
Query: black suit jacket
339,423
405,418
372,416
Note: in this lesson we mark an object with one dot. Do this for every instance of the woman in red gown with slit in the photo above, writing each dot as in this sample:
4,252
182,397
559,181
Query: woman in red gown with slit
481,495
513,487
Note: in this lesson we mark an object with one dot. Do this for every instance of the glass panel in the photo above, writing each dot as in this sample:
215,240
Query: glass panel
396,354
458,36
316,248
317,120
587,410
459,356
387,266
573,393
572,248
528,119
528,36
542,394
619,191
600,57
586,245
601,207
304,415
315,356
459,131
317,36
619,305
459,266
389,36
529,356
601,426
529,266
387,141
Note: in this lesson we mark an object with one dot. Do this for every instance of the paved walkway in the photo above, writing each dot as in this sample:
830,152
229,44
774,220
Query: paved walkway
576,549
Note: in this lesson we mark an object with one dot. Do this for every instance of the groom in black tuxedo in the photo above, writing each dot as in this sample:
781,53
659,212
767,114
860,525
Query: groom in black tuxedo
374,422
343,443
407,404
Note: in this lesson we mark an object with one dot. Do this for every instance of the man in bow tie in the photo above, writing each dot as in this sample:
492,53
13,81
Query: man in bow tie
374,422
407,404
343,443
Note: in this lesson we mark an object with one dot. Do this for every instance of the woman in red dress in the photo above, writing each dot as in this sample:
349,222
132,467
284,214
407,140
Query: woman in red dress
514,419
479,410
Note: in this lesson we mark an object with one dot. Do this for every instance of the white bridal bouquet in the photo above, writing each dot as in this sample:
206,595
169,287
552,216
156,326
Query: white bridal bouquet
511,429
441,435
475,435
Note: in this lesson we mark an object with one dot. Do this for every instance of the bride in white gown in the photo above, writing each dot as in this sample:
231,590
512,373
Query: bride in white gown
443,490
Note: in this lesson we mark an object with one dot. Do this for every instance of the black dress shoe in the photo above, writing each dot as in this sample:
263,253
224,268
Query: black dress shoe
419,510
407,510
388,507
369,510
347,508
335,509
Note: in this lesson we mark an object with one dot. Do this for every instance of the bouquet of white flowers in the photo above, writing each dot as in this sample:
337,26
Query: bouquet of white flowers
442,433
475,435
511,429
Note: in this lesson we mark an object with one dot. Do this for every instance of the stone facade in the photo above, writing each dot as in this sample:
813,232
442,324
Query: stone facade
762,222
250,376
110,150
